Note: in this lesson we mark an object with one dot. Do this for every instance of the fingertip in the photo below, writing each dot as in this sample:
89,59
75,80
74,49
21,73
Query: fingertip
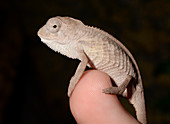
90,105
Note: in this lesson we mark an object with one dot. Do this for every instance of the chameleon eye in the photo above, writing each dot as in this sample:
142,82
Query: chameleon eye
53,25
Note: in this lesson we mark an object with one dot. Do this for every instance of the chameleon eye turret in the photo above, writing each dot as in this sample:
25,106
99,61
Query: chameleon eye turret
53,25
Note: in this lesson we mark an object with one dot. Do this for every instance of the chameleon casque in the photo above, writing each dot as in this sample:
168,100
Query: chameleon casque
99,50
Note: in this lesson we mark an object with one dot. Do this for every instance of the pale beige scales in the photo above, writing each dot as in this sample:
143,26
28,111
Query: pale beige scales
98,50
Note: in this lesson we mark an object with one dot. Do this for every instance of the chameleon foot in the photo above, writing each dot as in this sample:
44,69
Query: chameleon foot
113,90
120,89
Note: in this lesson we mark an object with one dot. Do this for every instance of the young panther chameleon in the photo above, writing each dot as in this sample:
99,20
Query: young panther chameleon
98,50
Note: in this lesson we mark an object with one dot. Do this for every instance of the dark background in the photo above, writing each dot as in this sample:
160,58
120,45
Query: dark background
34,79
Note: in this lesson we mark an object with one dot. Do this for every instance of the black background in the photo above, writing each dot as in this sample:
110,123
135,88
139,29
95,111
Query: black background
34,79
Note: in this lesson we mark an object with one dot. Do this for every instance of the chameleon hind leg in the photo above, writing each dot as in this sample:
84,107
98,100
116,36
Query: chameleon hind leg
120,89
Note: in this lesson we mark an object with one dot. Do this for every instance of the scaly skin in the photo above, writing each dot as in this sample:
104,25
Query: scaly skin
98,50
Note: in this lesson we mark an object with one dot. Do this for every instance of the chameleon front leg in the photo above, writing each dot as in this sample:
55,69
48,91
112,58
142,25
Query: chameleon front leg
120,89
79,72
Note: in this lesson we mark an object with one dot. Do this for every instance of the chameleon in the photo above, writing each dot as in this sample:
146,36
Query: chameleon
98,50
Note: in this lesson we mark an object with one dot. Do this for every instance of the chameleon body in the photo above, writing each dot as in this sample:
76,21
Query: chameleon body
97,49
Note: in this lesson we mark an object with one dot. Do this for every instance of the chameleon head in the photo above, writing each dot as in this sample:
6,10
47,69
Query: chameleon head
61,30
61,34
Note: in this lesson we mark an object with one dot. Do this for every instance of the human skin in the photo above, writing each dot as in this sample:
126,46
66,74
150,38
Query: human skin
89,105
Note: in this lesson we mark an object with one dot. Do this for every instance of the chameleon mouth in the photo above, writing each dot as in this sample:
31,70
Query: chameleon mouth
45,40
48,41
42,33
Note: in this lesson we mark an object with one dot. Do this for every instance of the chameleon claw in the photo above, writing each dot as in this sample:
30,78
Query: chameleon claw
106,91
69,93
111,90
